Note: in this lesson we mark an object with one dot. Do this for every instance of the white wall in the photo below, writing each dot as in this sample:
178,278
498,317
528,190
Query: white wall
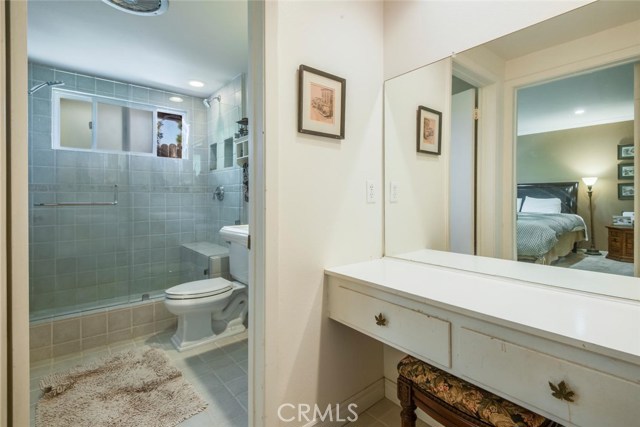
419,219
418,32
317,215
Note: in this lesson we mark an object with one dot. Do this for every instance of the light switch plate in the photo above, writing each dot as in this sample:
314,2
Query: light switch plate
393,192
371,191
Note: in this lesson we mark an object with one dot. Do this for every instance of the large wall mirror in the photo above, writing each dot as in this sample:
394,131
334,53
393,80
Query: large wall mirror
528,121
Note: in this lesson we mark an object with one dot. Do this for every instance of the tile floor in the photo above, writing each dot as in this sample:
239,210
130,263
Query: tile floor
218,371
385,413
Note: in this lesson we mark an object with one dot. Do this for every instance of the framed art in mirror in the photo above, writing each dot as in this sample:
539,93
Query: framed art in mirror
321,103
626,191
626,171
429,130
626,152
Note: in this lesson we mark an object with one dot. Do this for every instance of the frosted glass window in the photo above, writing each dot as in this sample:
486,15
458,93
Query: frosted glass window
75,123
110,127
90,122
140,131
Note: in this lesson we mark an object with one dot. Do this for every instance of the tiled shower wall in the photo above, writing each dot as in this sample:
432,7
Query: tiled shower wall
222,119
81,255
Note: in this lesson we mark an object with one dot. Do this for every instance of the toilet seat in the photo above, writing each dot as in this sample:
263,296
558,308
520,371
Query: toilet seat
199,289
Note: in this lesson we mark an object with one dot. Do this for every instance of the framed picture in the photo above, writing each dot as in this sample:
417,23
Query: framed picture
626,152
626,171
626,191
321,101
429,130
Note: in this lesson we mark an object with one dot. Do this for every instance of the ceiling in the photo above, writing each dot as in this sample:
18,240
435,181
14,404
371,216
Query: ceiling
193,40
581,22
598,97
606,96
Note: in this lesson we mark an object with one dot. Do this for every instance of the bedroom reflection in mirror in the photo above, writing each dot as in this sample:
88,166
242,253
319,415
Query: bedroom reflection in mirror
568,129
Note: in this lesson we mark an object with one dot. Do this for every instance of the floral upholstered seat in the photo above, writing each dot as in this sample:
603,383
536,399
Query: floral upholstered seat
479,404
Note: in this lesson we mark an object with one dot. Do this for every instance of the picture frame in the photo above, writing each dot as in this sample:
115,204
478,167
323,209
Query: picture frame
626,152
429,131
626,171
321,103
626,191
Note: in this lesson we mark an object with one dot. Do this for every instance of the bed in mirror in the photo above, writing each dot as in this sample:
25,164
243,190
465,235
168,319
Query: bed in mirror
524,119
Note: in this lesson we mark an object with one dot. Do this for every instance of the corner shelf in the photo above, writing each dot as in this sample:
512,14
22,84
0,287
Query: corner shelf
242,150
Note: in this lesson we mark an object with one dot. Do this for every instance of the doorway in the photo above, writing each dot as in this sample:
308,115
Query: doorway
463,165
579,129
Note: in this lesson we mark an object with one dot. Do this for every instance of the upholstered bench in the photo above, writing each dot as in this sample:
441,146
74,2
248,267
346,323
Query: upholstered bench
454,402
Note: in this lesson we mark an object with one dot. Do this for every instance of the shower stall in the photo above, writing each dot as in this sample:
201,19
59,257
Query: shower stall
108,224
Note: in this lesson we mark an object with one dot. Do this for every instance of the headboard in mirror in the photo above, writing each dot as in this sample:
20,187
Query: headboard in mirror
547,224
566,192
420,188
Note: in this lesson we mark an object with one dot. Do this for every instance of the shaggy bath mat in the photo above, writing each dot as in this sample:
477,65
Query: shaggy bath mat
130,389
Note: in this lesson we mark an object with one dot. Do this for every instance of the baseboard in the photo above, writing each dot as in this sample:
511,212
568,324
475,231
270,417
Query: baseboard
363,399
390,393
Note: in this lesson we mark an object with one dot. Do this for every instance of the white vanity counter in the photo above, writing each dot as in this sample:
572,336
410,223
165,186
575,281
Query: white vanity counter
548,310
585,281
510,336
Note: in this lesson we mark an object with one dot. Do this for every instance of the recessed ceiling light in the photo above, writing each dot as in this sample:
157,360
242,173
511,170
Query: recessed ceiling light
579,111
175,99
196,83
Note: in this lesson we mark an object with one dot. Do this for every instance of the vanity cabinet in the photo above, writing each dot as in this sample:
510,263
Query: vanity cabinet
469,330
524,374
620,243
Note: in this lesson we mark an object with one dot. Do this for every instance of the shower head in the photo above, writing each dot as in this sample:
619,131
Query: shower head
207,101
41,85
140,7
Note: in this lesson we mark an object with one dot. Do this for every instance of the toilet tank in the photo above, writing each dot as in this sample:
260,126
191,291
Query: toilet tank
238,237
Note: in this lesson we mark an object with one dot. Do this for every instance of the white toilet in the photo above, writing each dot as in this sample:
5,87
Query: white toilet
213,308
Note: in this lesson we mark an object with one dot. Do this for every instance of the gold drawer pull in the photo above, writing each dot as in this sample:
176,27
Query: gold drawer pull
562,391
381,320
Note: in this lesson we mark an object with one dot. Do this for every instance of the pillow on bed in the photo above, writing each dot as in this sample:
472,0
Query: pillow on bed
518,204
532,204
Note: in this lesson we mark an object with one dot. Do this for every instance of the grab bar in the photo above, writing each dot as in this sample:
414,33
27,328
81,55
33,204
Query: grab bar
114,203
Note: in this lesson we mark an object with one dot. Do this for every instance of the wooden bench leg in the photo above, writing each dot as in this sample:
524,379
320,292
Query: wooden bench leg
405,394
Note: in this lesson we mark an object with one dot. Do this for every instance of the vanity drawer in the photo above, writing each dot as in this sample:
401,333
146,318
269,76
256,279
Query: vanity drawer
424,336
615,242
524,375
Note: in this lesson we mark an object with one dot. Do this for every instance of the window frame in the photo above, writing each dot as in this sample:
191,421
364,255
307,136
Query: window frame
58,94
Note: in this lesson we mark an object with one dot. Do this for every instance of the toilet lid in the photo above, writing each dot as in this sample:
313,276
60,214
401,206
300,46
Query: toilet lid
199,289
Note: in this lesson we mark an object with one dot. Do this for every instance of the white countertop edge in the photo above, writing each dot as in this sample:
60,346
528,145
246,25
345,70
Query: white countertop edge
587,281
560,312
